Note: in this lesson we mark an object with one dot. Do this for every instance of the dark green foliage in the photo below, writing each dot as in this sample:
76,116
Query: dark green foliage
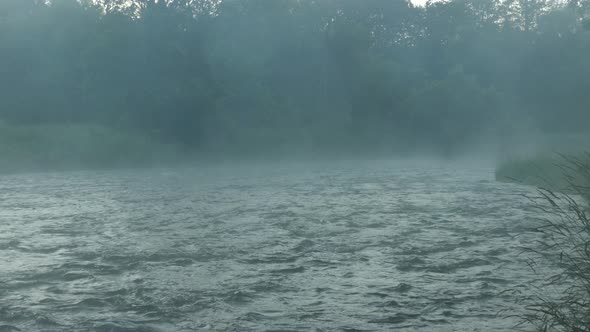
281,76
562,302
541,171
41,147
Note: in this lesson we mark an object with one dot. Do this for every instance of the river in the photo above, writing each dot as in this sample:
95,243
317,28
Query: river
360,246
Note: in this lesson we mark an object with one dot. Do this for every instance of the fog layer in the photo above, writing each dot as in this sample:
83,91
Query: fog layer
296,78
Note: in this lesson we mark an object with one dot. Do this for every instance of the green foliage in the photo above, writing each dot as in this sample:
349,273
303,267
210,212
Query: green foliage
541,171
562,300
463,107
553,172
52,146
261,76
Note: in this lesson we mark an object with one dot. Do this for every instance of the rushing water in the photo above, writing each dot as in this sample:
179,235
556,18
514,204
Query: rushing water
366,246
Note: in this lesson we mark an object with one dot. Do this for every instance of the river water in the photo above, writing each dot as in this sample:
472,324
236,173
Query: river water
364,246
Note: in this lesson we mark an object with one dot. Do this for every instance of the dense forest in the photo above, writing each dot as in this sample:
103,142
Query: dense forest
289,77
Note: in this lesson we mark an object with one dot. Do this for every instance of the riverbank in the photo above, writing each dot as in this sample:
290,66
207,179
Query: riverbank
541,170
78,146
555,172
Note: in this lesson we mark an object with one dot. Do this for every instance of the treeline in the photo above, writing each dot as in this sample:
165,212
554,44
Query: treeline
294,76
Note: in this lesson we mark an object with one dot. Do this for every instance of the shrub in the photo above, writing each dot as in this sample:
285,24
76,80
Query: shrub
563,300
52,146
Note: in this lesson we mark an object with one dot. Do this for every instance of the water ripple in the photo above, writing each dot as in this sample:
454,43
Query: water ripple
363,247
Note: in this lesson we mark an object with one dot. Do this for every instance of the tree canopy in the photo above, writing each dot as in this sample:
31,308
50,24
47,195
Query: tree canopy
287,76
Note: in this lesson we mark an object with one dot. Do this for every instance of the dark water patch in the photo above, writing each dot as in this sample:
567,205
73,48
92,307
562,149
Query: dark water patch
40,278
311,315
239,297
322,263
446,302
483,280
76,275
11,244
91,303
449,313
256,316
272,287
395,319
497,252
466,244
19,285
126,262
122,327
46,321
87,266
453,267
43,250
380,295
388,304
436,248
352,329
185,300
322,289
414,263
400,288
289,270
182,262
374,225
178,258
500,281
439,321
270,259
304,246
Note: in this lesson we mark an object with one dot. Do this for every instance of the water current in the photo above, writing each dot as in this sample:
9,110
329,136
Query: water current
372,246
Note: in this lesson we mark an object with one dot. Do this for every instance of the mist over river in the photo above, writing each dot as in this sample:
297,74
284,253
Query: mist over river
355,246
